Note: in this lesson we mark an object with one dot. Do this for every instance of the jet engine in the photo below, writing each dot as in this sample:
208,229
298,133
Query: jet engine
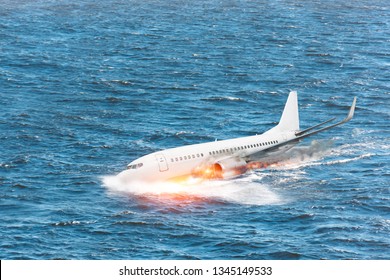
226,168
231,167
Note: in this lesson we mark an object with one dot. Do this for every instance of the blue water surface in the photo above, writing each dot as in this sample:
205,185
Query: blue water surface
88,86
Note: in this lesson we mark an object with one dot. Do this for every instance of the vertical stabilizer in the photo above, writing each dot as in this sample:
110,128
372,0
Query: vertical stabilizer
290,117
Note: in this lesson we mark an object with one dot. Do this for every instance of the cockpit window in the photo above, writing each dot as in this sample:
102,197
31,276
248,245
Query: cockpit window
135,166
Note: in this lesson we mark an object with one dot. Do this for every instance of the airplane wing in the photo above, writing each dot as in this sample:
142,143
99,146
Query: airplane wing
282,147
306,133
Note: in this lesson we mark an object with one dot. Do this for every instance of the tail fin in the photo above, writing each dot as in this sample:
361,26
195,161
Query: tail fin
290,117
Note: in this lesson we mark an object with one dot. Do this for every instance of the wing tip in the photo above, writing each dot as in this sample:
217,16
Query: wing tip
351,110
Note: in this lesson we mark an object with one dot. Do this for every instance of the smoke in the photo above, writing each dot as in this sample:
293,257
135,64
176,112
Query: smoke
295,157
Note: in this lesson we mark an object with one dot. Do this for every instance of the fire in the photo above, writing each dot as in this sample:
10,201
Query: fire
215,172
258,165
208,172
263,165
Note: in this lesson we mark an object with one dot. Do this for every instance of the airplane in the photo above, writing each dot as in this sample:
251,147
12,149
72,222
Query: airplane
226,158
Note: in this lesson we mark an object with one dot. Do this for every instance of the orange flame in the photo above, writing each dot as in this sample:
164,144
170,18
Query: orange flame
257,165
207,172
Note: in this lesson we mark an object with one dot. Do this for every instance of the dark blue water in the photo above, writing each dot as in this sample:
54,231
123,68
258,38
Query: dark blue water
88,86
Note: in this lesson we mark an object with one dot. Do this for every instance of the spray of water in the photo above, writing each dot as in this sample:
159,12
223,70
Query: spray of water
245,190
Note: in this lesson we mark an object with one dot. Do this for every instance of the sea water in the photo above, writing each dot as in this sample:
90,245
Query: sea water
88,86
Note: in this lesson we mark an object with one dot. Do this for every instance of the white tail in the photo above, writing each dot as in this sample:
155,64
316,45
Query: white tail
290,117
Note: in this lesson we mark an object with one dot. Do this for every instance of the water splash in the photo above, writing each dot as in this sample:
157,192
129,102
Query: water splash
246,190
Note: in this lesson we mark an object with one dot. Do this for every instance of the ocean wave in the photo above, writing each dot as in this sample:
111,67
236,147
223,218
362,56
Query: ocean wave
222,98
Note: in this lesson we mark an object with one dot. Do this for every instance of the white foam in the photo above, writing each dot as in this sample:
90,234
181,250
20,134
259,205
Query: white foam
242,191
346,160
